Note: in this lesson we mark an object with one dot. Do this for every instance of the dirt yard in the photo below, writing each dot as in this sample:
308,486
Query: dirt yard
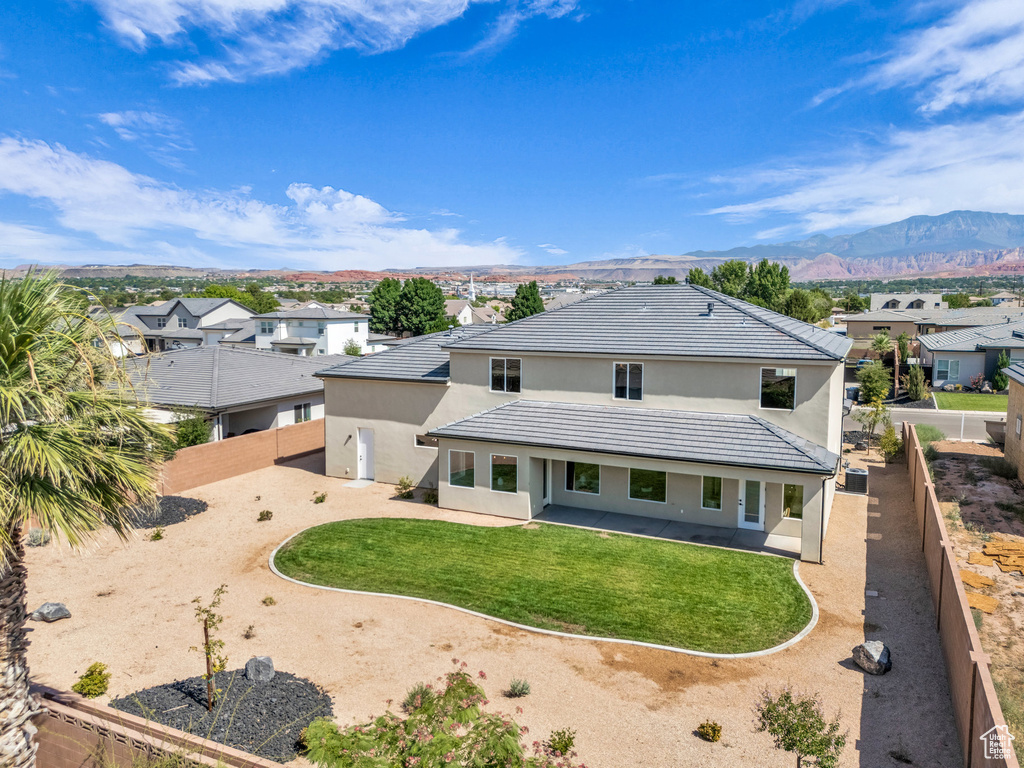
131,607
983,503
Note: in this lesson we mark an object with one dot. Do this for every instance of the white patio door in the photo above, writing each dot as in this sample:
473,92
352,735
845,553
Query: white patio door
751,513
546,473
365,447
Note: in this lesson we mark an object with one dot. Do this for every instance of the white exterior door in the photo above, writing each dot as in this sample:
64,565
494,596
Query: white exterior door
365,454
546,479
751,513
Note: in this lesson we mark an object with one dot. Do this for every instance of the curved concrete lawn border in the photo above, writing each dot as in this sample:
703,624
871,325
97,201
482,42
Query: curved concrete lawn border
751,654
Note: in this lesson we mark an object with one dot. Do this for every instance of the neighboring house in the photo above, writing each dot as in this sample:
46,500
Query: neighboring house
674,402
312,331
563,300
174,324
919,322
907,301
239,390
1006,298
467,314
958,356
1014,446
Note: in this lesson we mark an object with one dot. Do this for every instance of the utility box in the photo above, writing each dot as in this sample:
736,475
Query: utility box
856,480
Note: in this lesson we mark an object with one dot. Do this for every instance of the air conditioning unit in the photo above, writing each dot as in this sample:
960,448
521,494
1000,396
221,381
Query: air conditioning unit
856,480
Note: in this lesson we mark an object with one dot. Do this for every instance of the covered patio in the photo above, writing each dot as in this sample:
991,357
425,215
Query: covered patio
675,530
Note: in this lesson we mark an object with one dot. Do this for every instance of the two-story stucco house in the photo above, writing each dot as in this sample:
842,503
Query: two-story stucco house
174,324
674,402
313,330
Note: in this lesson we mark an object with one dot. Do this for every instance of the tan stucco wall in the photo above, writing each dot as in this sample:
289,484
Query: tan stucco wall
1014,447
861,329
683,490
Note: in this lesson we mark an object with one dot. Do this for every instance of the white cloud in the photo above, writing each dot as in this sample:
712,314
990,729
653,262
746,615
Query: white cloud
977,165
266,37
554,250
162,137
504,28
974,55
102,202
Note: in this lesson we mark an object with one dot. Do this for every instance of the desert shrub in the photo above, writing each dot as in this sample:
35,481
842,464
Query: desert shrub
94,682
37,537
320,498
195,430
419,696
890,444
1000,467
798,725
264,516
561,741
268,600
405,487
928,434
157,534
709,730
970,476
914,383
430,496
250,632
518,688
1014,508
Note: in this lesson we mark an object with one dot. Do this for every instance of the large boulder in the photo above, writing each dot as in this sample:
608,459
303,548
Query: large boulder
873,657
860,445
259,669
50,612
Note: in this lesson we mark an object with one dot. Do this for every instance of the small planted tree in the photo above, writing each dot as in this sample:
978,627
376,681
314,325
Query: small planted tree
798,725
213,648
874,415
352,348
1000,380
882,344
874,382
194,429
914,383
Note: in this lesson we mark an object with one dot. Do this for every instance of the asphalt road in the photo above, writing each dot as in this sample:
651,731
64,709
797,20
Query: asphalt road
948,421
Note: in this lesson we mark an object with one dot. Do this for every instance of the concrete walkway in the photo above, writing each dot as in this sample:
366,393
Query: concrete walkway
734,538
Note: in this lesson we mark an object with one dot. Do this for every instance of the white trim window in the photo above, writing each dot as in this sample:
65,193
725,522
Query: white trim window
778,389
710,492
320,327
504,473
648,485
460,468
793,501
303,412
506,374
628,381
581,477
267,326
947,370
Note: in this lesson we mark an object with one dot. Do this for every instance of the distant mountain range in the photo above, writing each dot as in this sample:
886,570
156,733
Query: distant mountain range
953,244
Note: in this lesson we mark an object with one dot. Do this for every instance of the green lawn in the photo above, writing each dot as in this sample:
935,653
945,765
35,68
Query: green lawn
971,401
567,579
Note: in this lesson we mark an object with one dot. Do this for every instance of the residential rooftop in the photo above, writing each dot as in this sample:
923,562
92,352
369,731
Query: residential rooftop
706,438
311,313
668,320
1005,335
967,317
1015,372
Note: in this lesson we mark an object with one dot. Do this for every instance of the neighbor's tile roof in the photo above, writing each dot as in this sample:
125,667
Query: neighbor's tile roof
244,335
664,320
1015,372
421,358
707,438
311,313
216,377
1001,336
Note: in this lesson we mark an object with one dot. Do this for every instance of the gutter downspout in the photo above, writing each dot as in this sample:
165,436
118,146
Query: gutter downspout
821,528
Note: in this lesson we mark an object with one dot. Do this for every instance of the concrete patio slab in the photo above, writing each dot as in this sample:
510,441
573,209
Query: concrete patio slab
641,526
697,534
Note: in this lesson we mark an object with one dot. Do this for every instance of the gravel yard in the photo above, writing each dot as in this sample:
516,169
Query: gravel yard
132,610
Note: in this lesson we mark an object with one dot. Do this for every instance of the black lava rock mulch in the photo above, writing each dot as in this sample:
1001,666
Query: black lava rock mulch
264,719
927,404
168,511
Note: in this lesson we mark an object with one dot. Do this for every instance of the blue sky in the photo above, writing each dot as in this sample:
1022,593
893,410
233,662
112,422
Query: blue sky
355,134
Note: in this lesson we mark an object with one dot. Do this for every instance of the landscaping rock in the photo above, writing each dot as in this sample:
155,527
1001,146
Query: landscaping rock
259,669
949,388
861,446
167,511
51,612
873,657
986,389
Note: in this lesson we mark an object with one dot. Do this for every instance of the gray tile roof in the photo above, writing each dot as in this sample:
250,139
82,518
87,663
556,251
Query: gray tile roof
969,317
311,313
664,320
1015,372
197,306
301,341
217,377
234,324
420,358
707,438
244,335
999,336
177,333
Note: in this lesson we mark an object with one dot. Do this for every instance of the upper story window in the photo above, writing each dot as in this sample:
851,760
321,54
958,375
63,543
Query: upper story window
161,322
629,381
266,326
355,326
506,374
778,388
182,322
320,328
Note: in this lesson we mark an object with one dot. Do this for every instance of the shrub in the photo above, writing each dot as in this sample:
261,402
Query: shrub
1000,380
890,444
157,534
320,498
1000,467
419,696
264,516
94,682
250,632
977,380
875,382
195,430
518,688
37,537
352,348
798,725
928,434
709,730
914,383
561,741
405,487
268,600
430,496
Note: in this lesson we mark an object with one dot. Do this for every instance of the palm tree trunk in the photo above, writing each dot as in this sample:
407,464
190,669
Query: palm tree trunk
17,705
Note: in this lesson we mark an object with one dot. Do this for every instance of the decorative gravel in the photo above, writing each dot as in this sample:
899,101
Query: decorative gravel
928,404
264,719
168,511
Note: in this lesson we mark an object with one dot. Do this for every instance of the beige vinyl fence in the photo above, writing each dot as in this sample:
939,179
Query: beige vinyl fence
975,706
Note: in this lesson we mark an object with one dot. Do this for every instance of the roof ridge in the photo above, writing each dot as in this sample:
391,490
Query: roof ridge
215,378
775,429
728,301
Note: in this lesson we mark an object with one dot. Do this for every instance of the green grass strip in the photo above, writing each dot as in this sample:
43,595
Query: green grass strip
971,401
565,579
